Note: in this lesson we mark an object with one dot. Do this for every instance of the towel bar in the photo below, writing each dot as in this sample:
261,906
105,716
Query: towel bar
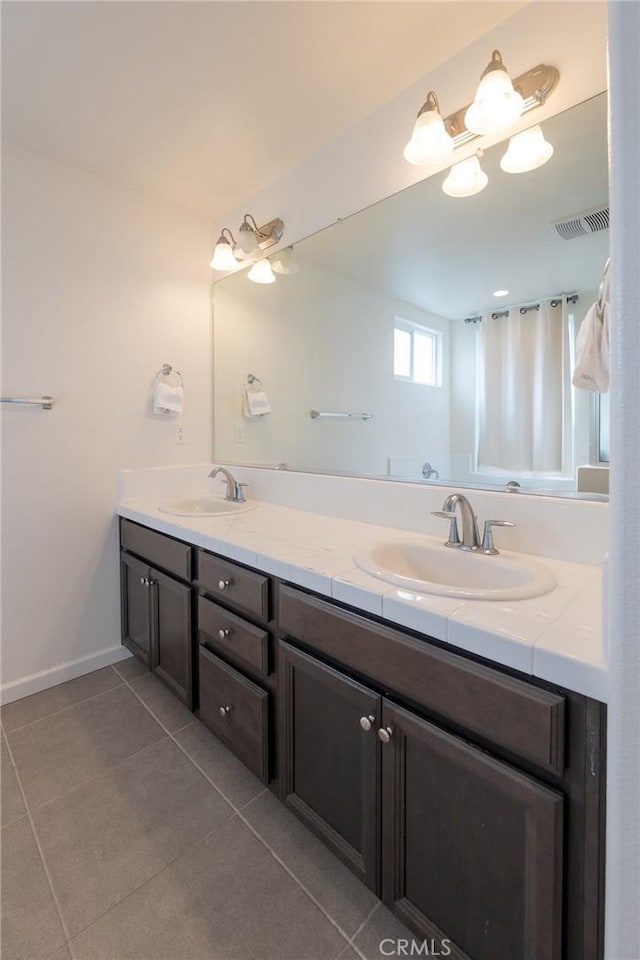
45,402
328,413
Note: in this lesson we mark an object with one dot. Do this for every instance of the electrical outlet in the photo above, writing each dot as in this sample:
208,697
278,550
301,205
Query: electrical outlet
180,435
239,435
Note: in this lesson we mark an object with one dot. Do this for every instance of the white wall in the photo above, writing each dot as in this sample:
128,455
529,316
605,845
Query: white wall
318,340
623,769
100,287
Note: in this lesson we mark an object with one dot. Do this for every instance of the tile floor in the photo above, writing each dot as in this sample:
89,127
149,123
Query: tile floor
128,832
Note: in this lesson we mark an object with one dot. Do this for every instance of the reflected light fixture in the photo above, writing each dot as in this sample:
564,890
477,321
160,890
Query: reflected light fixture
430,140
526,151
223,258
261,272
465,178
501,293
285,262
496,105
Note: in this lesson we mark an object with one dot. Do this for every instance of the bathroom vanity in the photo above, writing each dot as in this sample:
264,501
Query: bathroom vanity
467,795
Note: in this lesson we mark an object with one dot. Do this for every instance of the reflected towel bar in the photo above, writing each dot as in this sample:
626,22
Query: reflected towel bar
351,416
45,402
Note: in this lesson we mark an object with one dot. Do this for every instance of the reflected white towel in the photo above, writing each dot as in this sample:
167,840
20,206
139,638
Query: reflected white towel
592,351
255,402
168,399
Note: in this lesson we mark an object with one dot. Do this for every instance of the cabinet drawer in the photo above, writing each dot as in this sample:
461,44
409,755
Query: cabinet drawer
508,712
161,551
235,585
237,711
235,637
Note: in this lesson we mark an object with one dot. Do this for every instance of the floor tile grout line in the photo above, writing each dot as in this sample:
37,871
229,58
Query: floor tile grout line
54,895
151,877
164,866
96,776
361,928
56,713
249,826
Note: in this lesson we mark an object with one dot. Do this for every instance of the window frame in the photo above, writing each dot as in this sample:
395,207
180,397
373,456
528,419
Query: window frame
408,326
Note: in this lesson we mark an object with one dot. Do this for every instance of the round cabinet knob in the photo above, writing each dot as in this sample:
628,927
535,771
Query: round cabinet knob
367,722
384,734
143,580
224,711
223,584
222,634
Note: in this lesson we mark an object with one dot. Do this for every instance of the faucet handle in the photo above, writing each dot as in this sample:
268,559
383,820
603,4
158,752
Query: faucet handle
239,492
450,515
488,545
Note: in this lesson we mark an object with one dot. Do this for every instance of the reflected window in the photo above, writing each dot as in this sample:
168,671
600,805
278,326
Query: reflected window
417,353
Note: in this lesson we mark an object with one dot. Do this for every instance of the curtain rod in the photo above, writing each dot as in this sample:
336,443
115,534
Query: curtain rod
497,314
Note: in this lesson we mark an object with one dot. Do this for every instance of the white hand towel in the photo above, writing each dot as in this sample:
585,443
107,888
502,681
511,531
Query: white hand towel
168,399
592,350
255,402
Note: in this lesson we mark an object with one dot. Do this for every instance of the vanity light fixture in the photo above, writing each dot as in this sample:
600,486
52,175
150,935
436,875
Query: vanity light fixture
261,272
496,105
430,140
285,262
223,258
526,151
465,178
252,239
499,102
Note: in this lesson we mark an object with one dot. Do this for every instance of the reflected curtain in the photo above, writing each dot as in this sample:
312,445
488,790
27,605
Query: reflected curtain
524,408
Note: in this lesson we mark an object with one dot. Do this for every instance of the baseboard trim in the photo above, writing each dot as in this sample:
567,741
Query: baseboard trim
35,682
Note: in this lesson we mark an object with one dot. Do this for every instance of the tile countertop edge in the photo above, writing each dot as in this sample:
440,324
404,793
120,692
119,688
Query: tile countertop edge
585,676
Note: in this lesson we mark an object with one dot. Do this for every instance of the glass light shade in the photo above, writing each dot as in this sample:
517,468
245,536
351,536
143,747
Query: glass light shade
526,151
496,106
261,272
285,262
429,141
465,179
247,241
223,258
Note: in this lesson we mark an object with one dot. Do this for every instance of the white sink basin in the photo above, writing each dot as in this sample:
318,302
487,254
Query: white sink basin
432,568
207,506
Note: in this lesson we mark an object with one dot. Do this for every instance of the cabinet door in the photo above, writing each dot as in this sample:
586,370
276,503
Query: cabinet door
136,613
472,849
172,636
330,762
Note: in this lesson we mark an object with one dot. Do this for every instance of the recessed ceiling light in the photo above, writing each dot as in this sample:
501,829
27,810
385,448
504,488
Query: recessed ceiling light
501,293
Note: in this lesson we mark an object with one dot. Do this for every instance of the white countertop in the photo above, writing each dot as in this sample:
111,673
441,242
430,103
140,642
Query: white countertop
557,637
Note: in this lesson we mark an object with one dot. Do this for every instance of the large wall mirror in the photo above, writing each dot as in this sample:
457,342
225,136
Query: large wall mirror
394,322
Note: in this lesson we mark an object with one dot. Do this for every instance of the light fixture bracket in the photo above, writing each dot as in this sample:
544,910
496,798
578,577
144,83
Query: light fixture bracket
270,233
535,86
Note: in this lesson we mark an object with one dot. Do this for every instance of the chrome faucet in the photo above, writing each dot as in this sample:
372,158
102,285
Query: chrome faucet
470,538
235,492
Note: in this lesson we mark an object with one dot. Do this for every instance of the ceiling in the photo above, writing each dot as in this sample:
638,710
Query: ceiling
204,104
448,255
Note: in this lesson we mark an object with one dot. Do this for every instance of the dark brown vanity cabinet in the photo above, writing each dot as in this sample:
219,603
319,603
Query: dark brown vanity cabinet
466,849
235,659
330,758
472,849
157,607
467,799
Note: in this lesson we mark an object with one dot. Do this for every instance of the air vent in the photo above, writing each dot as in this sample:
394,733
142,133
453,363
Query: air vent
582,224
